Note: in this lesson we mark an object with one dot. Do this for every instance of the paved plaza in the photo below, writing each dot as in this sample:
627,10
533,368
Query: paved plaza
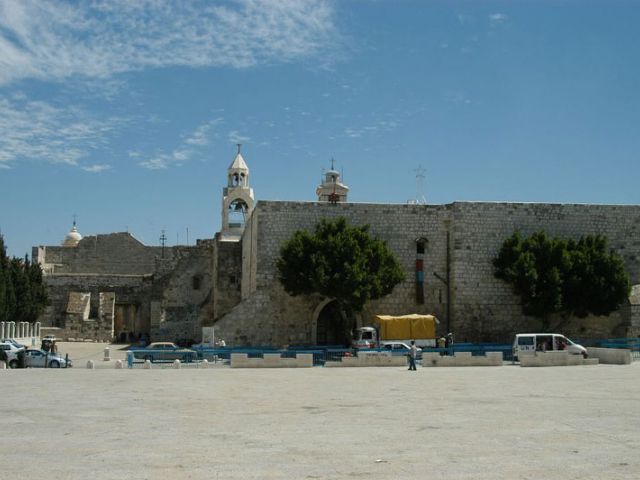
577,422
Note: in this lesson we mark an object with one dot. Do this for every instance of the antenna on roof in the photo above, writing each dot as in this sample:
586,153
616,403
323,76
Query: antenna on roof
420,198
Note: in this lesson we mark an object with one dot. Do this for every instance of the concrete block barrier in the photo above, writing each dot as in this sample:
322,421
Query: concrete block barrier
461,359
555,359
370,359
271,360
614,356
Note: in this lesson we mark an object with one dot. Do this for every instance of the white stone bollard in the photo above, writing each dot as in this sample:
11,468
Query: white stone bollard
90,365
118,364
205,363
176,364
147,365
3,365
107,354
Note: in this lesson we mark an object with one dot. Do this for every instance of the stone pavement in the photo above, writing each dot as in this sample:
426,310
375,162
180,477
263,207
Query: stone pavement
577,422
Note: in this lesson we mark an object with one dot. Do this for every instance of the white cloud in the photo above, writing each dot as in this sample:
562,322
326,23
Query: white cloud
99,168
200,137
41,131
464,19
55,40
236,137
374,129
181,154
497,19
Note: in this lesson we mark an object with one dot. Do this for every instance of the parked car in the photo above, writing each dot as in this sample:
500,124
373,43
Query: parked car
37,358
11,348
399,348
530,343
164,351
13,340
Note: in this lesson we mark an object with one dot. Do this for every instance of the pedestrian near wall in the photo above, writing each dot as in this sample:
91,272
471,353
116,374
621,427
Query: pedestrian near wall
413,353
4,359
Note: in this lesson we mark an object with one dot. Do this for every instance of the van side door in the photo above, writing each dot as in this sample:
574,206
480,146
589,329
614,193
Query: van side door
526,344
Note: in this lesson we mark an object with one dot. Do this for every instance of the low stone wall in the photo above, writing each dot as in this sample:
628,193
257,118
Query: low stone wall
461,359
615,356
555,359
370,359
271,360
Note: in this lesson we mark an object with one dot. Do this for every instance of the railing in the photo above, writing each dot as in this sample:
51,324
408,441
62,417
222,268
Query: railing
322,354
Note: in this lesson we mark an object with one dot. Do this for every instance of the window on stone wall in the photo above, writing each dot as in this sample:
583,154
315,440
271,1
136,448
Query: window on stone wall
197,282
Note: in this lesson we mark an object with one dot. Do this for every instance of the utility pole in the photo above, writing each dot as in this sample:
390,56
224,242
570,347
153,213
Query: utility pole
447,281
163,240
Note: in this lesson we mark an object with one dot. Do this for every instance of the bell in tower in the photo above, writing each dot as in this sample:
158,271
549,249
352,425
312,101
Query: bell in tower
237,199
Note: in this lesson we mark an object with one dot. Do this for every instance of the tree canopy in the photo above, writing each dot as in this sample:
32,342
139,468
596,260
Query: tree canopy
338,261
23,295
567,277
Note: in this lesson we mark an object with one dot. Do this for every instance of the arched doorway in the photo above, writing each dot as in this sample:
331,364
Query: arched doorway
332,327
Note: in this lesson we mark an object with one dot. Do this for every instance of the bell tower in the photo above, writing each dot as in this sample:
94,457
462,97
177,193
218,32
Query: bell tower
332,189
237,198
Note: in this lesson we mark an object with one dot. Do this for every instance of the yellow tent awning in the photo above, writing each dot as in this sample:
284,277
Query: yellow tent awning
407,327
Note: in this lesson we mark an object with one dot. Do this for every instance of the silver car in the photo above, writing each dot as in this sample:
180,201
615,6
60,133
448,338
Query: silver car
37,358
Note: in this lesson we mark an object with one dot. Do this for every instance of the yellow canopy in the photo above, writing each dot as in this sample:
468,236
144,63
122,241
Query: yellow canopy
406,327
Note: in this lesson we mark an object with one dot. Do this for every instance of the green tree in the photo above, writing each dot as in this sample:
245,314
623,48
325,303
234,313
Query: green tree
556,276
596,281
23,294
338,261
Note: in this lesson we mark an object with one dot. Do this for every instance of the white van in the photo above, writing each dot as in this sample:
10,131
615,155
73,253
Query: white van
530,343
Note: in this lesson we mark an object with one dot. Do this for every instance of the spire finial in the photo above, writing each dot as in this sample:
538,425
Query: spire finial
74,219
332,160
239,145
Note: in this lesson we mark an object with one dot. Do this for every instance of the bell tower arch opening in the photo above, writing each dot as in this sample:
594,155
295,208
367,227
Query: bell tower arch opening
238,210
237,198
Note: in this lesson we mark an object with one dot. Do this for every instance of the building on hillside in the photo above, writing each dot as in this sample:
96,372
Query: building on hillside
230,282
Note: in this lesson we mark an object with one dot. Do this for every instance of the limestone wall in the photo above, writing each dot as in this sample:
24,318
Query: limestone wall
128,289
228,277
483,307
79,326
183,295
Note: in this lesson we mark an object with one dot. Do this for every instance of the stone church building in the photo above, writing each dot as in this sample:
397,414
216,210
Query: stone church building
112,286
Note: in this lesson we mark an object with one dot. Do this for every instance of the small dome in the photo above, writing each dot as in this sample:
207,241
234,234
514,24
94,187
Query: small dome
72,238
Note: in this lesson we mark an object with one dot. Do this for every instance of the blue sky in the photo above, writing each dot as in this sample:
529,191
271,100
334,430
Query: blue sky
127,113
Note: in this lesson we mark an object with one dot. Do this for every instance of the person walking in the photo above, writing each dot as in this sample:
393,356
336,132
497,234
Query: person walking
413,353
4,359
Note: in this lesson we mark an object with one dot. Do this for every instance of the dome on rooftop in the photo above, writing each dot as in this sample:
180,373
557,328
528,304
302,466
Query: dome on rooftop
72,238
